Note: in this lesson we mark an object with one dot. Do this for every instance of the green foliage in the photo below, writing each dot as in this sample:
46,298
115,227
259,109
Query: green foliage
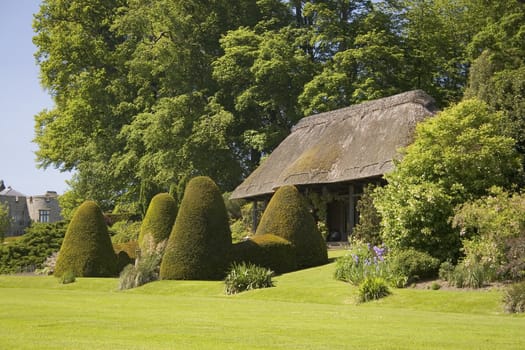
163,91
456,156
493,227
514,298
68,277
465,274
287,216
497,216
125,231
364,261
435,286
200,242
158,222
514,268
369,227
29,252
5,220
243,277
239,231
270,251
446,270
86,250
413,265
497,74
373,288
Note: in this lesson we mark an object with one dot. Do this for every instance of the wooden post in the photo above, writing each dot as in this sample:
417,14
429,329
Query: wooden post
254,216
351,210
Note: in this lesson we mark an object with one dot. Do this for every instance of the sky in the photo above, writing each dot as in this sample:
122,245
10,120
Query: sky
21,98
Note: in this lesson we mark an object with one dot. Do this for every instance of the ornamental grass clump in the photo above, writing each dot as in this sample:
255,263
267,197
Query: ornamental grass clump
288,216
372,288
247,276
146,270
514,298
199,246
86,250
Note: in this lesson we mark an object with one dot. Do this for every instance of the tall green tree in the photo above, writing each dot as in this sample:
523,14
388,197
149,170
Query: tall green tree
85,72
498,70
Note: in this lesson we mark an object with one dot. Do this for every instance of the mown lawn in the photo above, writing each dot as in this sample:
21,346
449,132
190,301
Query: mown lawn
306,310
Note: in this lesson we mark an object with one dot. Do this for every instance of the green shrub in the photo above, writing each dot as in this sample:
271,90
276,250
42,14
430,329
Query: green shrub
493,226
446,270
243,277
456,155
288,216
435,286
86,250
412,264
514,298
465,275
125,231
200,244
146,270
476,269
369,227
373,288
363,261
158,222
30,251
353,267
514,266
268,251
68,277
239,230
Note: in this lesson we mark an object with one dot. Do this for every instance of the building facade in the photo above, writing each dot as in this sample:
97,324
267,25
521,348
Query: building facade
24,210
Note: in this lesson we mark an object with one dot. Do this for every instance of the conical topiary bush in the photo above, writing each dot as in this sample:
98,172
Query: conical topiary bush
86,250
158,222
200,242
287,216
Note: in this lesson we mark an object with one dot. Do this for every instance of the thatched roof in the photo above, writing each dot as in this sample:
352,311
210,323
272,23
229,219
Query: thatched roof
347,144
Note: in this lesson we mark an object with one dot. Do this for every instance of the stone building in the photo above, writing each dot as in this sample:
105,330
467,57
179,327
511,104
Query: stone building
23,209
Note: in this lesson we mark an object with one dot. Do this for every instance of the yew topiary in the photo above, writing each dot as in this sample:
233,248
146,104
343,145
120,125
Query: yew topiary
270,251
200,243
287,216
87,250
158,222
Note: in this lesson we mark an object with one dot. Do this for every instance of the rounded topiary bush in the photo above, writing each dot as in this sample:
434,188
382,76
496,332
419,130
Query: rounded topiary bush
270,251
287,216
87,250
158,222
200,243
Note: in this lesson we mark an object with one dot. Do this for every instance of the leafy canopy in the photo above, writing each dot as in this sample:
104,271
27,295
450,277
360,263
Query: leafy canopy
456,156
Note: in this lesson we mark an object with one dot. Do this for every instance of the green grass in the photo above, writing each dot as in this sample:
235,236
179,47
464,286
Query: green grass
306,310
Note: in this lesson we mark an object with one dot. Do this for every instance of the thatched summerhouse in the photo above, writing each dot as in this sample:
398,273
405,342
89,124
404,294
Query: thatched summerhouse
335,154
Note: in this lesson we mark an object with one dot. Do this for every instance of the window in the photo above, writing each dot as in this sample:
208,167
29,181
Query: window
43,215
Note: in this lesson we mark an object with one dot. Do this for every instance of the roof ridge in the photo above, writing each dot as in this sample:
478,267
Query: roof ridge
353,111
